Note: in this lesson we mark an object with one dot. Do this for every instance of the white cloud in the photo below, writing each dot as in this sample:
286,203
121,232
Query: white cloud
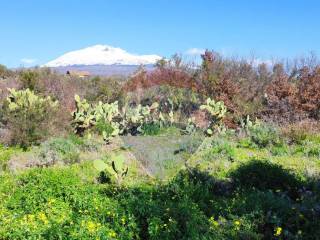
28,60
195,51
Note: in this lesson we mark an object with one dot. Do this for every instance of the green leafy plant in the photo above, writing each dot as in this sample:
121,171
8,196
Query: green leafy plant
103,114
116,168
264,135
151,129
247,124
29,79
28,116
57,150
191,126
133,118
83,116
217,111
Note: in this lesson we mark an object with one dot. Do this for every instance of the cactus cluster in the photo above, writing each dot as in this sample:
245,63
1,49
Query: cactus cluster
86,116
128,120
191,126
134,118
217,111
27,99
107,113
83,116
131,120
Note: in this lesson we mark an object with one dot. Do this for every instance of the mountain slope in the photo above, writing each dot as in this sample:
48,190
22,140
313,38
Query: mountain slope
102,55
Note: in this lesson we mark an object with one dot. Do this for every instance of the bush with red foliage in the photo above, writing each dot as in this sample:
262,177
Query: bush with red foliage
216,81
281,96
165,74
296,97
308,93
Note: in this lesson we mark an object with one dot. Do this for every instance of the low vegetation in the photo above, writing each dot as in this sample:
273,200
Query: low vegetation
227,150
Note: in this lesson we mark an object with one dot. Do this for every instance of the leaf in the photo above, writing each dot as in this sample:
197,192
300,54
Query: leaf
100,165
118,162
110,170
154,105
77,98
209,131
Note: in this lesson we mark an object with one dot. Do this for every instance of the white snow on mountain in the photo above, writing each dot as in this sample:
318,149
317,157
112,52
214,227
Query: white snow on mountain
102,55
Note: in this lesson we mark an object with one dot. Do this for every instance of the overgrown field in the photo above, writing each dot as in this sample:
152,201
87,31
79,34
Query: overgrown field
222,187
226,150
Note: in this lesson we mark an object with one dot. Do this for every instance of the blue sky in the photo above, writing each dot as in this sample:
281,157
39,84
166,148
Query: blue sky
36,31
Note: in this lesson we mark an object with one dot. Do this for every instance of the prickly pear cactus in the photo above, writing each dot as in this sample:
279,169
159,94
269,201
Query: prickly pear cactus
116,167
27,99
83,116
135,117
28,114
217,111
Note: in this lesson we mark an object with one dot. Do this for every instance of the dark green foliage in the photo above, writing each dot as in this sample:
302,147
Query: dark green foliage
193,205
5,155
151,129
28,116
265,175
309,149
264,135
102,126
103,89
223,147
59,150
29,79
279,150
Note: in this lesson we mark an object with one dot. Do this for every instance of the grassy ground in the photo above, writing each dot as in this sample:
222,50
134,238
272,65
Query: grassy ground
178,187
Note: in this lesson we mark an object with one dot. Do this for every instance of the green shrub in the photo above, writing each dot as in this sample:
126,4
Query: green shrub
223,147
265,175
29,79
308,148
4,71
265,135
151,129
104,129
63,203
28,116
56,204
5,155
58,150
245,143
279,150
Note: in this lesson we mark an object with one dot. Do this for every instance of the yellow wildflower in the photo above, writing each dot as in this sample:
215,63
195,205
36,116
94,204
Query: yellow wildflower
91,226
237,222
215,223
278,231
112,234
51,201
30,217
43,217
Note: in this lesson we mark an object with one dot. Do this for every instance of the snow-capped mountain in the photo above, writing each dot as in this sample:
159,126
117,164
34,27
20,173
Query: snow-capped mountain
101,55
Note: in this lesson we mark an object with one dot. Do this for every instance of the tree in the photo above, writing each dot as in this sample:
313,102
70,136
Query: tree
28,116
